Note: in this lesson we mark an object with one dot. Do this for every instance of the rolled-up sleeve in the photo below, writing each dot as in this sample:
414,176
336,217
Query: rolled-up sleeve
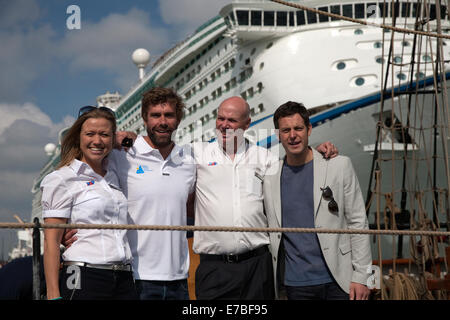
56,198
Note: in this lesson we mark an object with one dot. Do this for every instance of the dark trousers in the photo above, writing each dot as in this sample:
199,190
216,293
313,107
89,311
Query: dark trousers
327,291
82,283
162,290
251,279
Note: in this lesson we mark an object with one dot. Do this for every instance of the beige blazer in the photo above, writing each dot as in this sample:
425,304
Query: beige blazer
347,256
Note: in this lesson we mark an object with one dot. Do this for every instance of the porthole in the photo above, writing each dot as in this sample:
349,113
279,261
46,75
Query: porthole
261,66
405,43
358,31
359,81
401,76
379,60
377,44
269,45
426,58
341,65
420,75
398,59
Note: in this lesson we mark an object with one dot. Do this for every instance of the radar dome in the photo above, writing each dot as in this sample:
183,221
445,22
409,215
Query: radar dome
49,149
141,57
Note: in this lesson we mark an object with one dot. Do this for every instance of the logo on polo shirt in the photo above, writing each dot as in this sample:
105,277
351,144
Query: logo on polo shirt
90,183
142,169
212,163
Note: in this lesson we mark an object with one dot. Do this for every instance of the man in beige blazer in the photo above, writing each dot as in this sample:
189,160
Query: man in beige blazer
309,191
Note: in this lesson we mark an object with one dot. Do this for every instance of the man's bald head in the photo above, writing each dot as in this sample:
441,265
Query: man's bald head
239,104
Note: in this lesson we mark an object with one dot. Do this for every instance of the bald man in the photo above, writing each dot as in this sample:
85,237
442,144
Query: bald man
230,172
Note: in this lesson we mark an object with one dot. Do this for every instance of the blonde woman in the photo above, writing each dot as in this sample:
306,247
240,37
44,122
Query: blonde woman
97,265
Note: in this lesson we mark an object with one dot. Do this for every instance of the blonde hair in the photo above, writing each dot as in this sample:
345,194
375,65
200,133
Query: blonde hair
70,145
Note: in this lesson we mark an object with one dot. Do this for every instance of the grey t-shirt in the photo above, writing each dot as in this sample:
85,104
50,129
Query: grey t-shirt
304,264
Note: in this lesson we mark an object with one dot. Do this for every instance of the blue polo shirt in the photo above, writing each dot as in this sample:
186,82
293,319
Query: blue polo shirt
304,264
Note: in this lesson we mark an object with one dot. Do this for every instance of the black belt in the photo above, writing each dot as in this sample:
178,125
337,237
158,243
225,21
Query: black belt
114,267
234,258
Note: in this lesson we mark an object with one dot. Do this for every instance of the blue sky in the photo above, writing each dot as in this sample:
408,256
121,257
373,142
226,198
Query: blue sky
48,72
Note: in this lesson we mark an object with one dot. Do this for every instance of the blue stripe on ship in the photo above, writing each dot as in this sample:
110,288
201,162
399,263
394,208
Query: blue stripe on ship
354,105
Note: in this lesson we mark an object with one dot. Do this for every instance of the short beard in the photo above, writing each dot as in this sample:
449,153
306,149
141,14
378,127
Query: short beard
157,142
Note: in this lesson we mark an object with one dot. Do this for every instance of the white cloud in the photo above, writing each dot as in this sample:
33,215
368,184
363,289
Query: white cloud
108,44
24,131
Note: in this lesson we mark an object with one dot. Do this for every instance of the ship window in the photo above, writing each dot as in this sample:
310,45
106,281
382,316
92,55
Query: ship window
312,17
379,60
341,65
420,75
269,18
260,87
335,10
405,43
401,76
432,11
282,18
261,107
395,9
291,19
392,129
253,51
359,81
359,10
406,8
358,31
377,44
322,17
372,10
347,10
256,18
398,59
384,9
416,9
426,58
261,66
300,17
242,17
269,45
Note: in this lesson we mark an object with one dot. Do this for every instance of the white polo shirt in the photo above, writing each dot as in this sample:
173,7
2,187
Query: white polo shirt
79,194
229,193
157,191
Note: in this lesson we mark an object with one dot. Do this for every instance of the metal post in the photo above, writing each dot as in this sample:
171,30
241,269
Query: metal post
36,260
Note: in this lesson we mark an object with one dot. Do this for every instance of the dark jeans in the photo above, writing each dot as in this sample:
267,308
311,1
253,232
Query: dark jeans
327,291
162,290
82,283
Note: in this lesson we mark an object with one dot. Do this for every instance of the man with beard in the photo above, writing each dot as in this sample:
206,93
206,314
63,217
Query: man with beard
156,177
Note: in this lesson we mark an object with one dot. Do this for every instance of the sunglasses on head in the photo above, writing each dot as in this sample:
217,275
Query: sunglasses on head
87,109
327,194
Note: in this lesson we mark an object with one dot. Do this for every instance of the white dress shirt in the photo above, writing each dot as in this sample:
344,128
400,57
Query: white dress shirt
229,193
79,194
157,190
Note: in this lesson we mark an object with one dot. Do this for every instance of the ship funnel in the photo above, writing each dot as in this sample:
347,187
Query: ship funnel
141,58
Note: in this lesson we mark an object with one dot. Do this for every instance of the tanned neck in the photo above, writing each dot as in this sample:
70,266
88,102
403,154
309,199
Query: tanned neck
301,159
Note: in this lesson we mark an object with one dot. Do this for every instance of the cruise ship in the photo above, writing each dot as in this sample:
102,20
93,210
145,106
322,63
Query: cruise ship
380,96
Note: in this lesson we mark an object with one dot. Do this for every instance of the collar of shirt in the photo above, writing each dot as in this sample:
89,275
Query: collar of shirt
82,168
240,152
142,147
